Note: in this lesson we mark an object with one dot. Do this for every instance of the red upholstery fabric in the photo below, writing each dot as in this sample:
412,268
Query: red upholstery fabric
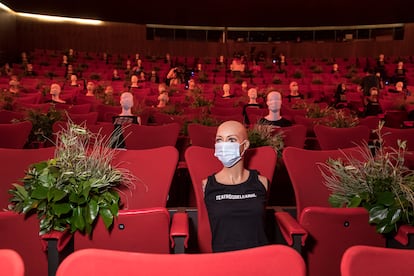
202,135
7,116
11,263
14,135
264,261
145,137
293,136
13,165
22,235
139,230
360,260
392,135
201,163
90,118
332,138
154,170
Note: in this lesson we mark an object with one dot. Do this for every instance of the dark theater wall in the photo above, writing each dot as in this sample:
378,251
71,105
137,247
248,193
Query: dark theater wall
23,34
8,36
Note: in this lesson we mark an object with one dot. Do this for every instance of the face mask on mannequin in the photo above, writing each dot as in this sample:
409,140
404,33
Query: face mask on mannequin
228,153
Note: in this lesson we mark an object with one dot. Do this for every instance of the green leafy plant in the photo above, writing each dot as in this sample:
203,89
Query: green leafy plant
76,187
276,80
196,98
317,69
42,123
95,76
340,119
314,110
6,100
380,182
317,81
264,135
297,74
202,77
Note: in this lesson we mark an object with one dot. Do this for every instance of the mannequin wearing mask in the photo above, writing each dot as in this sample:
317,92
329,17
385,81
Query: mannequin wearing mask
235,197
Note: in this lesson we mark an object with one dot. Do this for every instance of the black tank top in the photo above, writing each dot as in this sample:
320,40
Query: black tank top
236,213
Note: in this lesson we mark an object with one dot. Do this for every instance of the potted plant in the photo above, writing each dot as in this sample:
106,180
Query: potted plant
380,182
264,135
42,130
76,187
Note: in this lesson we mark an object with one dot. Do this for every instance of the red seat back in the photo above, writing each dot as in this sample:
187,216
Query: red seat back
332,138
202,135
15,135
146,137
13,165
264,261
362,260
22,235
139,230
153,169
11,263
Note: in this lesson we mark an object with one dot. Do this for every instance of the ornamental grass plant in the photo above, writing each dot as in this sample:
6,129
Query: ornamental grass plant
264,135
76,187
379,182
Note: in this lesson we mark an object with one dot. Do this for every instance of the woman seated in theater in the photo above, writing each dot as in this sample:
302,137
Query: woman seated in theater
274,104
235,197
125,117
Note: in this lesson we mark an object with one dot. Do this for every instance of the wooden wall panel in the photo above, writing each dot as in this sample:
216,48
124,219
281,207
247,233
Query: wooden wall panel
128,38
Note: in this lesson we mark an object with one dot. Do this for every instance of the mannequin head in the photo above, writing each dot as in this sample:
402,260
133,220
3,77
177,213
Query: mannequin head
55,89
244,85
226,89
294,88
163,99
127,102
232,132
274,101
252,93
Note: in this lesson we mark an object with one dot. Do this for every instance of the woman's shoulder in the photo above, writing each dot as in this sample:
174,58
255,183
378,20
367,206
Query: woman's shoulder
263,180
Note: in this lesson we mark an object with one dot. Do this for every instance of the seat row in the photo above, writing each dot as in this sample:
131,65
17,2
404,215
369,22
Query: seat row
309,225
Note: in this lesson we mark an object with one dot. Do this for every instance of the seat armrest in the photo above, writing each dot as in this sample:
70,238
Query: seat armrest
179,232
290,228
58,245
62,238
403,234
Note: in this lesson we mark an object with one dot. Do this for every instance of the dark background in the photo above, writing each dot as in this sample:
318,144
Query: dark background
226,13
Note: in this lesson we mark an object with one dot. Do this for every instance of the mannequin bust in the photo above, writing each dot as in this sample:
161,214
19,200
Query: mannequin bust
274,104
55,92
90,87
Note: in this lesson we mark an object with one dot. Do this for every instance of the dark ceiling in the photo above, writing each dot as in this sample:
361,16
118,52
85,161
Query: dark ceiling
253,13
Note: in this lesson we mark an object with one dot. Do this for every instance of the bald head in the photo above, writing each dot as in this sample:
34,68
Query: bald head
233,130
55,89
127,100
274,101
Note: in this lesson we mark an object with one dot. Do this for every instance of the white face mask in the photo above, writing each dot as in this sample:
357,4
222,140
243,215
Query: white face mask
228,153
